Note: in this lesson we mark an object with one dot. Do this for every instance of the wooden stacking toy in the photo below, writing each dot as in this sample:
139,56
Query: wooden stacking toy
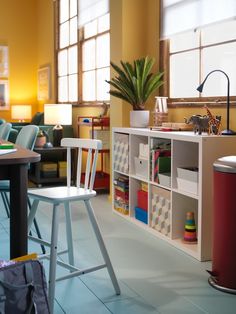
190,234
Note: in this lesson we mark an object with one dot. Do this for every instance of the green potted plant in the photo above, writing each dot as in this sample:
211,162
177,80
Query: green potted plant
134,84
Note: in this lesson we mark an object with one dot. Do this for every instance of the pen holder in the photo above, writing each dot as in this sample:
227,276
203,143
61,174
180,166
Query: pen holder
159,118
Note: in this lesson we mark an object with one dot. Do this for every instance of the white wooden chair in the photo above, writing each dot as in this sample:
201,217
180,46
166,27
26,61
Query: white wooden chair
64,195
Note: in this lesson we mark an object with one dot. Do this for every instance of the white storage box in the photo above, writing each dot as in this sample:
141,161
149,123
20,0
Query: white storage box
188,173
164,179
187,186
187,179
141,167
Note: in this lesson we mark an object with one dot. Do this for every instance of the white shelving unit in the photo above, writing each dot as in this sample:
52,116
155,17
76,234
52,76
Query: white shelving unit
187,150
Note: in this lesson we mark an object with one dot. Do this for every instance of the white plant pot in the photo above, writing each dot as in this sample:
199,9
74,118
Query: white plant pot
139,118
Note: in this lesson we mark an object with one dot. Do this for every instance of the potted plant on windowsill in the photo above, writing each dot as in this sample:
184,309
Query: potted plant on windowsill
134,84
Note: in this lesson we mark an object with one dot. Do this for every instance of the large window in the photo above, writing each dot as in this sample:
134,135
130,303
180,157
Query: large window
190,54
95,48
83,51
67,51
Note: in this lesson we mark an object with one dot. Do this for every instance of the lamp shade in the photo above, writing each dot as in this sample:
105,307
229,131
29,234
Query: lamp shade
21,112
58,114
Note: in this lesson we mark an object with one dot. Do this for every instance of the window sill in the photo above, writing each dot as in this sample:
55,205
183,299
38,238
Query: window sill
198,104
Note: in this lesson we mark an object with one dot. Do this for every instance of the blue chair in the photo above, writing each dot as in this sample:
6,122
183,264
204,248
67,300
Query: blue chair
5,129
26,138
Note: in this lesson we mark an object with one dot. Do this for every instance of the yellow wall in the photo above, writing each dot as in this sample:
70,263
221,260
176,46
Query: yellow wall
45,36
27,28
18,25
134,34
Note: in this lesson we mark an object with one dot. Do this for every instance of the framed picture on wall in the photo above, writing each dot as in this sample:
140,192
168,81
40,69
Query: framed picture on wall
4,95
4,61
44,83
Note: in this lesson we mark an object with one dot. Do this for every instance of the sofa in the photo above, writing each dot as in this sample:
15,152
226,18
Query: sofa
38,119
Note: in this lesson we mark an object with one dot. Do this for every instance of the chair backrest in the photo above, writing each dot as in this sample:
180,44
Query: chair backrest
92,147
5,129
27,136
2,121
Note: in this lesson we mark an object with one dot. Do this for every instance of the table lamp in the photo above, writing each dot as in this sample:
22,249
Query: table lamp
21,112
57,115
200,88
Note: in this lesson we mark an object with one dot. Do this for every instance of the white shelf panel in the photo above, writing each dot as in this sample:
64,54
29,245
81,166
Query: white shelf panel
160,186
191,249
186,193
134,176
122,173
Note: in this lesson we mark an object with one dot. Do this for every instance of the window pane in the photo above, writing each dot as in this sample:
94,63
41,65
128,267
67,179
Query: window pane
90,29
221,57
73,87
73,8
64,35
63,89
88,62
104,23
184,41
184,74
73,60
103,87
91,9
218,33
89,86
64,10
73,30
62,63
103,50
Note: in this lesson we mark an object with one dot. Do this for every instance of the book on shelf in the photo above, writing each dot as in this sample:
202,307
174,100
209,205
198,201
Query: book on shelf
160,162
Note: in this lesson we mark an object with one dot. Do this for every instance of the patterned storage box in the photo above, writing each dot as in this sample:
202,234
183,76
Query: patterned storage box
160,215
121,152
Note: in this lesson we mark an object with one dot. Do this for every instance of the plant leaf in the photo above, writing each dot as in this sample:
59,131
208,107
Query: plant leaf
135,82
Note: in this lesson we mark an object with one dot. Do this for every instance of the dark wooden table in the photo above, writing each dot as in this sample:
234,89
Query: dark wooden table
14,167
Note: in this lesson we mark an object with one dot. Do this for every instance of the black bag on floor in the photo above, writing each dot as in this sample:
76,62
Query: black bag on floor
23,289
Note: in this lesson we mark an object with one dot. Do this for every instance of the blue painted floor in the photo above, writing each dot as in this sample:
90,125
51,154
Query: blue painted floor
154,277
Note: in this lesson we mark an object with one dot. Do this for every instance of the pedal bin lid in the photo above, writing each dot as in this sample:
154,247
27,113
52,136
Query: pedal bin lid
225,164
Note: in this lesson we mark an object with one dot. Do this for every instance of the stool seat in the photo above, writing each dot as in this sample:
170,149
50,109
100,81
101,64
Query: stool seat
61,194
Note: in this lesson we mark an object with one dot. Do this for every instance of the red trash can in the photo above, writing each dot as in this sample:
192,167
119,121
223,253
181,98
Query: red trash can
223,275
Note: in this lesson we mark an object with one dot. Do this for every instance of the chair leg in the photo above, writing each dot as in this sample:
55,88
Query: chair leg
102,246
6,203
32,213
36,228
53,257
69,234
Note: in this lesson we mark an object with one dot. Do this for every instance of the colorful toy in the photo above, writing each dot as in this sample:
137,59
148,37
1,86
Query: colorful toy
190,234
214,122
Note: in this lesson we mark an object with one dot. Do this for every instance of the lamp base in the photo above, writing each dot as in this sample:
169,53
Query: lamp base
57,135
228,132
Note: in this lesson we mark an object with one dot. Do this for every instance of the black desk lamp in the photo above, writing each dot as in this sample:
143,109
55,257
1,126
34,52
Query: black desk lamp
200,88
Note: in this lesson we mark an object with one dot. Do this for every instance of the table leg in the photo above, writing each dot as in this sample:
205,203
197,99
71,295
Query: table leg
18,210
